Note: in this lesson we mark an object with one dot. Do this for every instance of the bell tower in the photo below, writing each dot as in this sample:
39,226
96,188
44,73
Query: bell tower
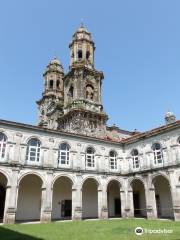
83,110
82,48
50,106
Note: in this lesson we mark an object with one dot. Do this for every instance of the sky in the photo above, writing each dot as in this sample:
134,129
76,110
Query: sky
137,48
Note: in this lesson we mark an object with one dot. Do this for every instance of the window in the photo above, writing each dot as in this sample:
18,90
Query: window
58,84
158,156
135,158
63,154
33,151
113,160
51,83
89,157
3,144
89,92
87,55
80,54
71,91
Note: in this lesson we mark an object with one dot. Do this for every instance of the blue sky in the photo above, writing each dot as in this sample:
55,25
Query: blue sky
137,48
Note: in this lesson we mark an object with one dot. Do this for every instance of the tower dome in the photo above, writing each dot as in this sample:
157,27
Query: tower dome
54,65
170,117
82,48
81,33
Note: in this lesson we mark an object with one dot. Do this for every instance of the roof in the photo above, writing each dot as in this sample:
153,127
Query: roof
128,140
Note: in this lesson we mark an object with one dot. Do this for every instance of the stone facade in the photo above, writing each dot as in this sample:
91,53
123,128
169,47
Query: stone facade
74,166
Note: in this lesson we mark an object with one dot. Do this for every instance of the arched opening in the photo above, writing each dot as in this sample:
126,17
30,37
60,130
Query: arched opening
58,84
3,184
62,199
163,197
71,92
29,198
80,54
51,83
87,55
113,199
90,199
139,198
89,92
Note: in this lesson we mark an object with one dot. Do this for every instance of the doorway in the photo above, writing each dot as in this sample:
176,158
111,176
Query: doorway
66,209
117,207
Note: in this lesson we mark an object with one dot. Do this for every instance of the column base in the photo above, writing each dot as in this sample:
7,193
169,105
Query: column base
9,216
127,213
104,213
77,214
176,210
151,213
46,216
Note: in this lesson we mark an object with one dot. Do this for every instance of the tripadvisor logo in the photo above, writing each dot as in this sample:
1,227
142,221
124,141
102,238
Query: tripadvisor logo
138,231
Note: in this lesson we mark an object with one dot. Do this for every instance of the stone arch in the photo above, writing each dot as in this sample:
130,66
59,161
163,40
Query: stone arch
58,143
29,198
90,146
113,150
90,188
32,173
63,175
113,197
163,195
27,139
3,185
62,186
138,178
6,176
7,134
157,142
138,187
115,179
153,176
95,179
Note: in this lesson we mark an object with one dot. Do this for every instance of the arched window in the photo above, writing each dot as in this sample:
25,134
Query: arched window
80,54
158,156
135,158
71,91
87,55
57,83
51,83
90,157
33,151
113,160
63,158
89,92
3,144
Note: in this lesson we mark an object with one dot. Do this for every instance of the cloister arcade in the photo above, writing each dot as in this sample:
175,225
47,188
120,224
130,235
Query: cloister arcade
93,196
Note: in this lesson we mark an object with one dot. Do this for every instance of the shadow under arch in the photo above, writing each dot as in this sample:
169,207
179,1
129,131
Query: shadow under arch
62,197
29,198
3,185
113,198
163,196
90,188
139,197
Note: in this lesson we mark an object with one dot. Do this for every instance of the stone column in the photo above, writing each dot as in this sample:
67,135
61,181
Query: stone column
150,203
46,199
11,199
102,204
175,195
123,203
128,210
77,199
